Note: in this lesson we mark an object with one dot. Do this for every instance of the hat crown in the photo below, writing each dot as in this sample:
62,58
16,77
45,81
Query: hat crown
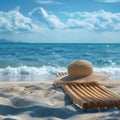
80,68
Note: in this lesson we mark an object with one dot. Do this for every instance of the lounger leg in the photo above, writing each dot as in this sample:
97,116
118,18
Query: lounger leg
72,101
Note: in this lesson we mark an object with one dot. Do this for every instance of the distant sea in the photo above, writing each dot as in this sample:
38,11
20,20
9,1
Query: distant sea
40,62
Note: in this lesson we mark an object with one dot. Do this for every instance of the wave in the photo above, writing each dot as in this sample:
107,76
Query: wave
26,70
112,72
26,73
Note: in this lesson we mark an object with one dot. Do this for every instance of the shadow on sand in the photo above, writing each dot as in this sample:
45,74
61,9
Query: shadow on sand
39,111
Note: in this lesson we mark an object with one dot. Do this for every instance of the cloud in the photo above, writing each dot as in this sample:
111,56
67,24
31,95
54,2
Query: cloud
48,19
96,26
100,20
96,21
78,24
14,21
48,2
108,1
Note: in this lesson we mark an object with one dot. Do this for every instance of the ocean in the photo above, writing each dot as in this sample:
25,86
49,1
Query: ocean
41,62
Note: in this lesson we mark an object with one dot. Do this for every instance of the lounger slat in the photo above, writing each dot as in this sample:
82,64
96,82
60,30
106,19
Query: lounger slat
73,96
59,74
101,93
97,101
109,100
63,73
89,94
93,96
107,91
80,94
107,96
113,99
89,97
84,92
102,101
96,95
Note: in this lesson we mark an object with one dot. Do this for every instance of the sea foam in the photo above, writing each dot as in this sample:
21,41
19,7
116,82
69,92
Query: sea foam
27,73
112,72
25,70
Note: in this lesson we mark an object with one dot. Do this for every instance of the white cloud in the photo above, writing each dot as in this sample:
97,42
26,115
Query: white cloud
78,24
100,20
94,21
49,19
14,21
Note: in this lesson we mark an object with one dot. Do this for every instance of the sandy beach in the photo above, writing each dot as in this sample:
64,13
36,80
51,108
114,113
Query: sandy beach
43,42
45,101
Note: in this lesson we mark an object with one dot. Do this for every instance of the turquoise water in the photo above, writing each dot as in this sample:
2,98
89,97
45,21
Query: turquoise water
35,62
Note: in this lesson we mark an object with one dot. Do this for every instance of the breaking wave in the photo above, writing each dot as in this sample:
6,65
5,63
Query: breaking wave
26,73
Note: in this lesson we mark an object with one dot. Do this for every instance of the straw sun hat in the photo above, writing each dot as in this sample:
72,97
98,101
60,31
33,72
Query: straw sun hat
80,70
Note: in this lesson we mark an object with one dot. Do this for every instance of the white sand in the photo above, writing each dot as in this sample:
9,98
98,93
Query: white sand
39,101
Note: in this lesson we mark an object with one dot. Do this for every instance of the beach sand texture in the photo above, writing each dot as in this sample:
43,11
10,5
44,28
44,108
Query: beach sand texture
45,101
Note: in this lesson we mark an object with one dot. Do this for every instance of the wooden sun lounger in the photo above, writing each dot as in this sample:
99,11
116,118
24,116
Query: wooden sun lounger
90,94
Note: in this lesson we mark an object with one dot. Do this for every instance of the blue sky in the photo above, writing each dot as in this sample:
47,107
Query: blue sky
59,21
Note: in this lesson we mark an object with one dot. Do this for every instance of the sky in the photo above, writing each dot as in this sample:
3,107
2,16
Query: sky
60,21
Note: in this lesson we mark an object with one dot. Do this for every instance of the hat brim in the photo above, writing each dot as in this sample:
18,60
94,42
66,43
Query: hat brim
63,77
